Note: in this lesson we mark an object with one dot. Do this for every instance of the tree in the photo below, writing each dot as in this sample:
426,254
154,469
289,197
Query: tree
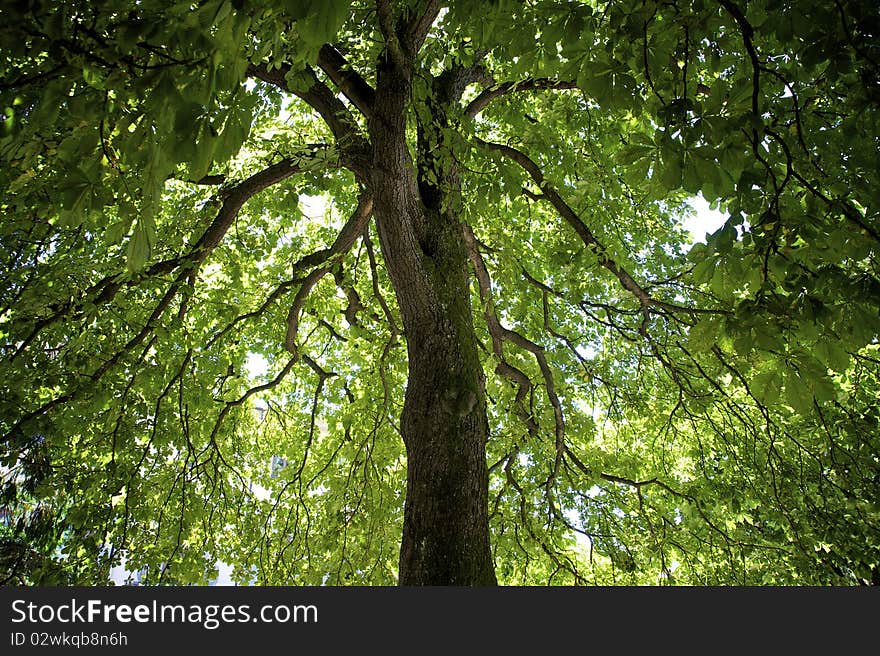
493,336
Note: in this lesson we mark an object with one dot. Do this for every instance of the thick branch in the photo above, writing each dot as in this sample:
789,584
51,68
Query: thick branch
479,103
235,198
209,180
344,240
451,83
320,98
355,88
296,308
416,31
385,14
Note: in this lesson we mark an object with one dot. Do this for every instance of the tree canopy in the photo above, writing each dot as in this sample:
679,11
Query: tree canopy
190,187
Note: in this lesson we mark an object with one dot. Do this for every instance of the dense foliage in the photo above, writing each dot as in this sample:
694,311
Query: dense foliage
178,202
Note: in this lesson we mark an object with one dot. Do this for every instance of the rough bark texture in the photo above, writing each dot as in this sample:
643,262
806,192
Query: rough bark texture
444,422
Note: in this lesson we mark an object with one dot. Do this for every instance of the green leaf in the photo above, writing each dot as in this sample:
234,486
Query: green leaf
798,393
323,22
296,9
691,176
672,171
704,334
705,269
93,78
595,78
767,386
634,152
740,93
115,232
203,157
832,354
139,246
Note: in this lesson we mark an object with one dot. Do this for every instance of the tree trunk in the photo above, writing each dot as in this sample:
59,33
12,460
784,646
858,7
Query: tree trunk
444,422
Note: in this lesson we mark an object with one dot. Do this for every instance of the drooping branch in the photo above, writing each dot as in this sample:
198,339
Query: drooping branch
273,296
87,381
389,317
500,333
654,481
561,560
233,202
522,382
569,342
341,245
234,198
479,103
263,387
571,217
377,292
355,304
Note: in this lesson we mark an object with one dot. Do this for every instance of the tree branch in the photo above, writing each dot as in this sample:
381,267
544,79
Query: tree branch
234,200
550,194
570,217
106,289
377,292
479,103
498,333
334,112
349,81
341,245
385,15
416,31
209,180
747,32
296,308
346,237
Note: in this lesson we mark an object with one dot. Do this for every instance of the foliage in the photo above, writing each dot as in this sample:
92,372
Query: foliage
660,412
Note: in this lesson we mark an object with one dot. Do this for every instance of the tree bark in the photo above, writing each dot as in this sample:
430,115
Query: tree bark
444,423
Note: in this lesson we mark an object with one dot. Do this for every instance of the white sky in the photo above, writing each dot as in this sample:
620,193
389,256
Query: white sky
256,365
704,220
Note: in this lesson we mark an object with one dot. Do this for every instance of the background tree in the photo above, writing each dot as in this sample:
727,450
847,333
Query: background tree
493,337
